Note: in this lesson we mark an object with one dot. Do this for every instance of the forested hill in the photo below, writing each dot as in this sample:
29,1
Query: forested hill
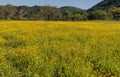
106,4
40,12
105,10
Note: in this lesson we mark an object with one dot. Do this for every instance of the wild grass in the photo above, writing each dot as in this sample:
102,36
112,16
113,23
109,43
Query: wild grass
59,49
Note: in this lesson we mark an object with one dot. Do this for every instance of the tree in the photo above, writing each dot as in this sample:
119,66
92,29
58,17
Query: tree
78,17
115,13
69,13
49,13
98,15
2,16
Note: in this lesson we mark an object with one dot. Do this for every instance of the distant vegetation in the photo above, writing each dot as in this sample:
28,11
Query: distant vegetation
105,10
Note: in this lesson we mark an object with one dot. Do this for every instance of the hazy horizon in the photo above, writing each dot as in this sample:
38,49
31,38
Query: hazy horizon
83,4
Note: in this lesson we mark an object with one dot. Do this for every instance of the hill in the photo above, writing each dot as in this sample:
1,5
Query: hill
8,12
106,9
106,4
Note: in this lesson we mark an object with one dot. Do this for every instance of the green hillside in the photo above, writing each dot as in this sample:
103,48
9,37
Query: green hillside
106,4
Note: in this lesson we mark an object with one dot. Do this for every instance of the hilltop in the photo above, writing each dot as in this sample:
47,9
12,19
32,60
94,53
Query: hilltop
106,4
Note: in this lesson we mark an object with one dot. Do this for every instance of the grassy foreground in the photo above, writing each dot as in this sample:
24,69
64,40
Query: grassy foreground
59,49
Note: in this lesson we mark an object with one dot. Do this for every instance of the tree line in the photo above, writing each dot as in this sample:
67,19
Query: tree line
67,13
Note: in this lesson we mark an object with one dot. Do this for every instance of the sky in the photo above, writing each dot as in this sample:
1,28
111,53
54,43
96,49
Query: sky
83,4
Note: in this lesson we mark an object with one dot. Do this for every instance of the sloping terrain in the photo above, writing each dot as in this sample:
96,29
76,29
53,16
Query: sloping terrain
106,4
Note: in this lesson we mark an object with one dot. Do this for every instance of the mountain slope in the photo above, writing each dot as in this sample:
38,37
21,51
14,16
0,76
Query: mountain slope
106,4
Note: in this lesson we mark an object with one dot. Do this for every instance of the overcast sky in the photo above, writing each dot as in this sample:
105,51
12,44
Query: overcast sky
84,4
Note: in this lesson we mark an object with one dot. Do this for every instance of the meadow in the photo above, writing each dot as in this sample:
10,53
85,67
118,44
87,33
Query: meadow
59,49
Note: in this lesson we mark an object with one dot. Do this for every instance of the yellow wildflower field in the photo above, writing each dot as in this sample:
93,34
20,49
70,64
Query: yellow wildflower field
59,49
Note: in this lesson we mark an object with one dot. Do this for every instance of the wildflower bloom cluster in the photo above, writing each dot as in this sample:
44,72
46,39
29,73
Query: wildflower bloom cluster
59,49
